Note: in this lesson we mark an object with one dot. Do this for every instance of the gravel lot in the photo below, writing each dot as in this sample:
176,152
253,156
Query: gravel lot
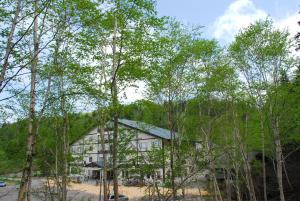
82,192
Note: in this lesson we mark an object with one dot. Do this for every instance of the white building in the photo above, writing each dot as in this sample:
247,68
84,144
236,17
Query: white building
137,139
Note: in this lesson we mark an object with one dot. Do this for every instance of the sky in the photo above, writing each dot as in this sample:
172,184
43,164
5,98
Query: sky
222,19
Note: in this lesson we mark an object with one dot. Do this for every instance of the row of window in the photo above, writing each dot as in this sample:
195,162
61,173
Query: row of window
143,146
90,160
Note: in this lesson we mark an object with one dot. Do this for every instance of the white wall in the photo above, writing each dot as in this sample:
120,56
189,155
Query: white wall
87,147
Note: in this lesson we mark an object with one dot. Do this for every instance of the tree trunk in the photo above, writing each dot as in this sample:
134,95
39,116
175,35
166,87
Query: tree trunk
217,191
56,160
236,164
104,172
115,157
213,179
228,183
172,166
263,157
100,185
278,154
171,127
9,44
238,192
65,140
114,93
164,162
247,166
33,124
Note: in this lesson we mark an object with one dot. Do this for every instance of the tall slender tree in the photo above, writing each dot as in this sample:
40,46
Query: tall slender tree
261,52
32,125
9,43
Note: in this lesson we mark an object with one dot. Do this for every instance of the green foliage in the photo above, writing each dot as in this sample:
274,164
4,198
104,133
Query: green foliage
205,93
261,53
13,141
145,111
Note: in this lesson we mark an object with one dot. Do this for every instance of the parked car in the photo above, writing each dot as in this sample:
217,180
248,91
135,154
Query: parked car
121,197
2,184
133,182
76,178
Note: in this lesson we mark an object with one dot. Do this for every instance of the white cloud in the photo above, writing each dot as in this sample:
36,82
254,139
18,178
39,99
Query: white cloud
289,23
241,13
238,15
133,93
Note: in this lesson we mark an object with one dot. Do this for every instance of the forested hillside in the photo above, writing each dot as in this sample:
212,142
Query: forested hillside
13,136
13,140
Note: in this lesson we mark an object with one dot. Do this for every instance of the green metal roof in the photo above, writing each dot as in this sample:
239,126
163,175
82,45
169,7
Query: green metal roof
147,128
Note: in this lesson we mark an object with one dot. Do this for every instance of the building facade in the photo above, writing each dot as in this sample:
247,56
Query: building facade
136,141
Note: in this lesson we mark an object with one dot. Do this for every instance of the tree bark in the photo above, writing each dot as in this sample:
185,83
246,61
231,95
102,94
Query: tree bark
278,151
65,139
212,168
9,45
115,152
104,172
171,126
114,93
247,167
56,159
228,183
32,124
263,157
218,196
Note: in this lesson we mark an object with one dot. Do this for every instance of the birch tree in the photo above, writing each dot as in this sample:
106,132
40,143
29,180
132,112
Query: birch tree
32,126
9,43
168,85
128,26
46,26
261,52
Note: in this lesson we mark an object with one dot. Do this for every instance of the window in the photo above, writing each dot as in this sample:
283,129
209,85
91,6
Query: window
158,174
91,148
143,146
124,174
156,144
90,159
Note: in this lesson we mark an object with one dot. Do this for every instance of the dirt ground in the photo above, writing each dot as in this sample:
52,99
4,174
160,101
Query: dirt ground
132,192
86,192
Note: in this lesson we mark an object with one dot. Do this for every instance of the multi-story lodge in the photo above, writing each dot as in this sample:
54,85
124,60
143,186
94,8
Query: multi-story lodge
139,139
